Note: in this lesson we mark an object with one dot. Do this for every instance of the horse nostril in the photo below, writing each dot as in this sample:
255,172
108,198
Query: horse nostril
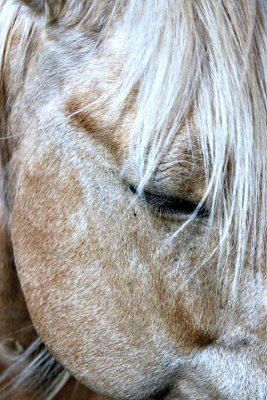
161,394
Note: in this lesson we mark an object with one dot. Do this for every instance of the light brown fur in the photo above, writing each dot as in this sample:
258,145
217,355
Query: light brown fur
123,310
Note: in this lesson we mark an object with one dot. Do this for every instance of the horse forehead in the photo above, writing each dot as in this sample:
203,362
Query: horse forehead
181,170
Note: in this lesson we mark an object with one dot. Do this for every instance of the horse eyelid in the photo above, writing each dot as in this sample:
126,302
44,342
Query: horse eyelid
169,205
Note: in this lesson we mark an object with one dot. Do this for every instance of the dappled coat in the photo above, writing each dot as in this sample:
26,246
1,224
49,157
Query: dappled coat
133,199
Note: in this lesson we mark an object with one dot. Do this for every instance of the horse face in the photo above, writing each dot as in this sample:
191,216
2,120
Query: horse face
113,297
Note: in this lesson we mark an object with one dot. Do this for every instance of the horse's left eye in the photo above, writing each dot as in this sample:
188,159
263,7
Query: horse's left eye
167,205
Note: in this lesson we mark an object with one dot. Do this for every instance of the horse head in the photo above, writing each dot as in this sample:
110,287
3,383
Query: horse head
133,207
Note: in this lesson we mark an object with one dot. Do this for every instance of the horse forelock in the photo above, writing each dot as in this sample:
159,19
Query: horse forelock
196,61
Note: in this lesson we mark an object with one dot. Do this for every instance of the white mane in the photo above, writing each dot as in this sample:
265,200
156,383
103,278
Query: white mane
209,57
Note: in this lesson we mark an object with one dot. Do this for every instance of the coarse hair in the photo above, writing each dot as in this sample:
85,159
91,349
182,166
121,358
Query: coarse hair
186,56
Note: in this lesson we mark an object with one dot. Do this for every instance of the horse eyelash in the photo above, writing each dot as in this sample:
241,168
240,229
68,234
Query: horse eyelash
167,205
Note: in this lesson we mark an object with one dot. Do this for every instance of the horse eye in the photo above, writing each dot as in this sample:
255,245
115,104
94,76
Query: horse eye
167,205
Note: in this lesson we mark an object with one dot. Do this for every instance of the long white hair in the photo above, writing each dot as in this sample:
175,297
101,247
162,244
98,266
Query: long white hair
205,56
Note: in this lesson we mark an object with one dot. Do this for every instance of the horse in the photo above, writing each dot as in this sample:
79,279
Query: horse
133,199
